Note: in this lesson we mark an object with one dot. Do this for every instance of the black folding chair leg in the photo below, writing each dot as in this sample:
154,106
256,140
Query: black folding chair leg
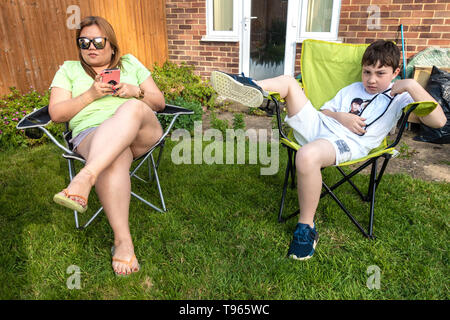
355,222
285,184
373,186
352,184
292,156
383,167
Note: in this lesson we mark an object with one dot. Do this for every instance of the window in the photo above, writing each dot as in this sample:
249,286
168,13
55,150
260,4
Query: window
222,20
319,19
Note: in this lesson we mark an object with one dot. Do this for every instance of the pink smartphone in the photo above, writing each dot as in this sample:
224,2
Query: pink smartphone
111,76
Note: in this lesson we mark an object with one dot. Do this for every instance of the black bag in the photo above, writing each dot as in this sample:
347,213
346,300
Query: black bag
438,87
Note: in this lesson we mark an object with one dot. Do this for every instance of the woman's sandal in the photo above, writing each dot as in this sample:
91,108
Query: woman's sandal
74,201
71,201
127,263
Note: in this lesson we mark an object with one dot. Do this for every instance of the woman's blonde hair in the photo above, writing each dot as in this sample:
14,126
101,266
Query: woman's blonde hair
106,27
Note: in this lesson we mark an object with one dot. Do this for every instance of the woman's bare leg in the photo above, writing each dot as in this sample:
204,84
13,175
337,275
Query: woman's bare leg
113,188
133,126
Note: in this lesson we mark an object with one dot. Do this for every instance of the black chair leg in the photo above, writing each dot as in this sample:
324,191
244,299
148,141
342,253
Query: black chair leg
371,194
292,155
285,184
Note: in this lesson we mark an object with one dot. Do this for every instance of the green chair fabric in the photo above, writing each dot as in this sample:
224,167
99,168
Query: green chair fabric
328,67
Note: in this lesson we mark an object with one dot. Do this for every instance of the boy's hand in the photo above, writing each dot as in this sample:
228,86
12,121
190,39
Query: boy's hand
401,86
352,122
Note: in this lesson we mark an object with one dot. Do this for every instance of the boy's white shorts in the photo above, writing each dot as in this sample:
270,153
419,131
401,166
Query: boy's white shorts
308,126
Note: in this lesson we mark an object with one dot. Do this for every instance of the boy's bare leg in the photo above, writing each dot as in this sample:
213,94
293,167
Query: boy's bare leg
309,161
289,89
311,157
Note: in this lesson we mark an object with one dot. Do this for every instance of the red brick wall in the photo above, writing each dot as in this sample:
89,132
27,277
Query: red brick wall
425,23
186,25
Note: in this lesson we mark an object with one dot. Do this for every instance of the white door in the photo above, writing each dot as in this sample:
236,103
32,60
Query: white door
271,29
263,46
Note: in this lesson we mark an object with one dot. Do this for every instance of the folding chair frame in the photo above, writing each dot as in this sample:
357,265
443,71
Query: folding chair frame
375,177
41,118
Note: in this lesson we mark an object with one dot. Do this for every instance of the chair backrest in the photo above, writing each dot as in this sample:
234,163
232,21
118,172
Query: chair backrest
327,67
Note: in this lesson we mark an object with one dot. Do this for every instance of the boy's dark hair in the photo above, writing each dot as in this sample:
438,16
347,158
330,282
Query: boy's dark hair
384,52
357,100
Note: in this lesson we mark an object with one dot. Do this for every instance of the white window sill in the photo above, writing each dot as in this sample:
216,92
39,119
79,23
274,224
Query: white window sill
220,38
338,40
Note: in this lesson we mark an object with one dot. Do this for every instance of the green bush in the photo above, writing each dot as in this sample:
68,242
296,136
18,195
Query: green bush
180,81
13,107
238,121
221,125
183,121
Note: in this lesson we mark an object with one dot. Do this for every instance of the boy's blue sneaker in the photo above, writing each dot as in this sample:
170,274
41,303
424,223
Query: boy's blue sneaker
238,88
304,242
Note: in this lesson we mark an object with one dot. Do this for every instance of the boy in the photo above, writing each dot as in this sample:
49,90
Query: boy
334,135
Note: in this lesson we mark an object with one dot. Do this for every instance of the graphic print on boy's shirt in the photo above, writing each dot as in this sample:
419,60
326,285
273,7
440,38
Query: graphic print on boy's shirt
358,105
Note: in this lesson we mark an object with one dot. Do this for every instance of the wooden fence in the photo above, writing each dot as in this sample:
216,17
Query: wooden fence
37,36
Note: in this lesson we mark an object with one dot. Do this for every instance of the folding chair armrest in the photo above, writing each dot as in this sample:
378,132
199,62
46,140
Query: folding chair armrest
274,97
171,110
37,118
174,111
421,108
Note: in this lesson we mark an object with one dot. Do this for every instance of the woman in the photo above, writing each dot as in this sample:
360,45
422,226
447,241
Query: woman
111,125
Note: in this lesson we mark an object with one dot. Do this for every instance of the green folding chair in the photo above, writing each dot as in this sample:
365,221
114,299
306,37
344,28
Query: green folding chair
326,68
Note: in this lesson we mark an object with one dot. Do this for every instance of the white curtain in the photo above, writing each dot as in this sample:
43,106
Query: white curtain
319,15
223,15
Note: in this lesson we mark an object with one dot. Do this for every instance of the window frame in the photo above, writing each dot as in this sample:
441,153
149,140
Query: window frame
222,36
329,36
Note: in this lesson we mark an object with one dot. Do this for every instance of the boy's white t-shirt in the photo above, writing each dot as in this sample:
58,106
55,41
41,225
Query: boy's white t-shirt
376,131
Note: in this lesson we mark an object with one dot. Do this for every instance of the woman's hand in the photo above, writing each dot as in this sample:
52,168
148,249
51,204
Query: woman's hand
125,90
99,89
351,121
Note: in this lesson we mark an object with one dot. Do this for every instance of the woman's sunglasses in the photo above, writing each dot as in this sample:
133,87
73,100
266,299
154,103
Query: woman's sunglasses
84,43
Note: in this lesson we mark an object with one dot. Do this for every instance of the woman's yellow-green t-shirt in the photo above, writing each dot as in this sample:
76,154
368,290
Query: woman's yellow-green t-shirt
72,77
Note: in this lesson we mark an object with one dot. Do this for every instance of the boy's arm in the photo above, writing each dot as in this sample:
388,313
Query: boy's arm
437,118
351,121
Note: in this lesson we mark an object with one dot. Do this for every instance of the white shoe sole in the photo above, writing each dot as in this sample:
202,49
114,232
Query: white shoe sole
231,89
293,256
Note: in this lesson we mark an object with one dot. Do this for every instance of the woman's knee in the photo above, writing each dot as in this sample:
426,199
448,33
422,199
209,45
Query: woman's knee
134,107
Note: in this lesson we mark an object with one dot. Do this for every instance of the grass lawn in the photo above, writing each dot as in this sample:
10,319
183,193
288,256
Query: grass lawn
220,238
